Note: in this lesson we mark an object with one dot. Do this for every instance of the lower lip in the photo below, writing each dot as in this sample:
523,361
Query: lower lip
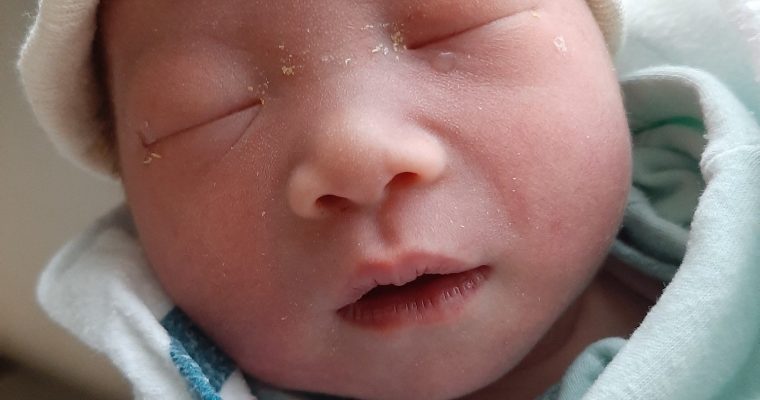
428,299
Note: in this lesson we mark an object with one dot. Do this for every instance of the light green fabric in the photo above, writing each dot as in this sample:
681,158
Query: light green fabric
700,34
585,369
666,186
702,339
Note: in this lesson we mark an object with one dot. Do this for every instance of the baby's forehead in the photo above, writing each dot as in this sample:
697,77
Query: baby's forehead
297,20
160,37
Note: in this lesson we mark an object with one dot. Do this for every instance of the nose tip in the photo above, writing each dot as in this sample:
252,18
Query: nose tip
363,177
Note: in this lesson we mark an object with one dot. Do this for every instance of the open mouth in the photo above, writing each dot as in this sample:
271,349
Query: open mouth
428,298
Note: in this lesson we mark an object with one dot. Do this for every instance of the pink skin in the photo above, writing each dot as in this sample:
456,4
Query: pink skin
256,217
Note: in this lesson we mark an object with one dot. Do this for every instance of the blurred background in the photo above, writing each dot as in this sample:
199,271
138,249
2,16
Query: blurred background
44,201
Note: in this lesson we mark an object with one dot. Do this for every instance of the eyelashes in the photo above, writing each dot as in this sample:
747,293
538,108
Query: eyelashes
228,121
420,41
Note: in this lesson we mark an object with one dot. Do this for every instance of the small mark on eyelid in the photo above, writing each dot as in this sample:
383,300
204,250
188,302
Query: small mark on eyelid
444,61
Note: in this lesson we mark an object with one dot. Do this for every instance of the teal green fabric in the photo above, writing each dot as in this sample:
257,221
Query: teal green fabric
585,369
695,203
667,184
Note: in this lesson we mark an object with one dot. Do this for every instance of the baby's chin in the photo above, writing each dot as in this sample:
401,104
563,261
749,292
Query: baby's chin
449,379
417,364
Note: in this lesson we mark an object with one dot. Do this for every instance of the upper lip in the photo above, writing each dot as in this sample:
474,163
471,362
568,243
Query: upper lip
400,271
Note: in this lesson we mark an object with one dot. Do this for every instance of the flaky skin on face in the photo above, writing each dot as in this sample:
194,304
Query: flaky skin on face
268,148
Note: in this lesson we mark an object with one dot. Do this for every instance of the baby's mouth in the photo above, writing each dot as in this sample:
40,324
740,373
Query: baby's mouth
426,299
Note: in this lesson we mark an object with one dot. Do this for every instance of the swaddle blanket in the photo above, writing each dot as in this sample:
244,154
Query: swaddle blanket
702,338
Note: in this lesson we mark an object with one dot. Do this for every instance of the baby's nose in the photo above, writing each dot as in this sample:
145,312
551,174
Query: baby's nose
356,162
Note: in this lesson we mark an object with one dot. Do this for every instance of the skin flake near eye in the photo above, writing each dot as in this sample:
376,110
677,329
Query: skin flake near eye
408,199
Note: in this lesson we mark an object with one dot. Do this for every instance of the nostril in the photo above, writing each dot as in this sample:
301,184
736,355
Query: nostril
403,179
332,202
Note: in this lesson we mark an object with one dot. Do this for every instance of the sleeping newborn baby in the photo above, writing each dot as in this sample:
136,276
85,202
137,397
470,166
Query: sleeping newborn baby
406,199
377,209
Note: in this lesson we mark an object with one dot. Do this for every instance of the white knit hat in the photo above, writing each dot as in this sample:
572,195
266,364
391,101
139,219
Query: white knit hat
58,75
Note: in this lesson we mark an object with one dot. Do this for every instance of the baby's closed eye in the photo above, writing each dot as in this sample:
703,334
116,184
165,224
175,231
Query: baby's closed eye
231,122
428,22
191,90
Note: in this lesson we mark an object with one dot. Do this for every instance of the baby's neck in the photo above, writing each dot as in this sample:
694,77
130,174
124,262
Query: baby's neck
608,308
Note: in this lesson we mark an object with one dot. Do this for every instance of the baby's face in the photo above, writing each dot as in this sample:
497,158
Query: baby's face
283,157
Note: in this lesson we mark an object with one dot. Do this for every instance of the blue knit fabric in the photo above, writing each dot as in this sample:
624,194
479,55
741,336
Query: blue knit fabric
199,361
